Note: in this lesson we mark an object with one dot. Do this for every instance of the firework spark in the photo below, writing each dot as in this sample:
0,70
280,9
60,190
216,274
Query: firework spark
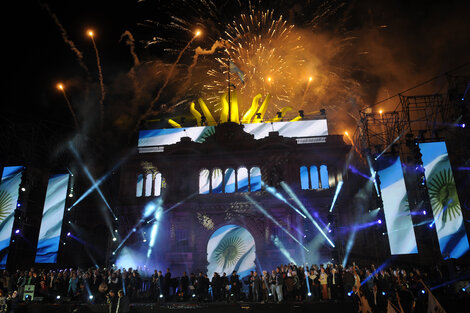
100,73
62,89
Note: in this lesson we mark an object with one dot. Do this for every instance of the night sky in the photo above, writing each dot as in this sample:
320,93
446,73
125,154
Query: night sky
420,40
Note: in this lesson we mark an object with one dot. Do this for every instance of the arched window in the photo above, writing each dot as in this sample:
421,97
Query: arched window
324,177
314,177
217,179
204,181
242,179
139,185
255,179
304,177
230,180
158,185
148,185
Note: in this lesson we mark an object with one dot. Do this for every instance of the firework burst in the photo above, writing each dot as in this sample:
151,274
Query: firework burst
267,52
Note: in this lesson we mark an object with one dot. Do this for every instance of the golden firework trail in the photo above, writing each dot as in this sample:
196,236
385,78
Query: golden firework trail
100,76
69,105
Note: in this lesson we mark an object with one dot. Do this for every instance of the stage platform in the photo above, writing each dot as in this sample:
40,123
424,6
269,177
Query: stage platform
320,307
457,305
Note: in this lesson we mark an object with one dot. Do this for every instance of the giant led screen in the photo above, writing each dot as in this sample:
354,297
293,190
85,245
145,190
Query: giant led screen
168,136
11,180
231,248
52,217
400,229
445,203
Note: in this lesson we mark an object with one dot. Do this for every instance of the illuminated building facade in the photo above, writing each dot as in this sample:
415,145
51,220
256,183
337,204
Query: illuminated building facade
232,196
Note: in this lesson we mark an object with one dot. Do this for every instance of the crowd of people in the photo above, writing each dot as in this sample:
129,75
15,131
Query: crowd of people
368,288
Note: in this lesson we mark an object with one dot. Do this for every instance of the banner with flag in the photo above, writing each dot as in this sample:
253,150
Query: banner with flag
433,305
239,72
391,308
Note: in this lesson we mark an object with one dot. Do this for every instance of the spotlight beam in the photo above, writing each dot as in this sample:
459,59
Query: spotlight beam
150,221
304,209
338,189
373,174
259,207
382,266
388,147
283,249
279,196
90,177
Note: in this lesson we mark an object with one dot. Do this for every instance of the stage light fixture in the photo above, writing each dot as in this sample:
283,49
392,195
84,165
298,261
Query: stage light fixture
17,231
69,234
379,221
422,291
114,238
70,195
23,189
18,205
90,297
424,212
58,297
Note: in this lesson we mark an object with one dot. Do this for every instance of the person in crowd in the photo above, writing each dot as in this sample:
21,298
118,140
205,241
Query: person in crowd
256,285
272,285
111,300
225,286
3,302
166,285
286,283
333,283
184,284
101,292
376,300
73,285
356,299
12,302
123,303
265,286
279,284
235,286
324,283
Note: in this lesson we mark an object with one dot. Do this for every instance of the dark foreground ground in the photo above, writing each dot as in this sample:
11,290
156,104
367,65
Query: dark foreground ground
462,305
